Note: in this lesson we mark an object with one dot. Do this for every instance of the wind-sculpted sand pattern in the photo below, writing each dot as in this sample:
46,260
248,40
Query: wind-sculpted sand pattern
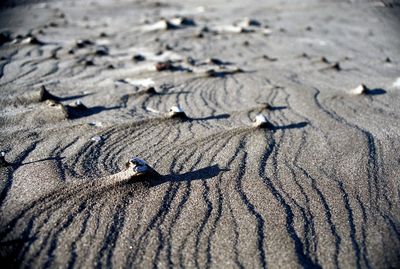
316,186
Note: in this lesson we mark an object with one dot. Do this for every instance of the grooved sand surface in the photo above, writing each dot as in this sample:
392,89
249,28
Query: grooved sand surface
320,189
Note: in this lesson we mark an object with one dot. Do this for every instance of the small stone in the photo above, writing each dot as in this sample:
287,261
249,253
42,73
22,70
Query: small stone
176,112
150,90
199,35
138,58
78,105
163,25
182,21
137,165
96,123
190,60
325,60
96,138
89,63
215,61
262,122
161,66
266,57
266,31
361,89
81,43
396,84
246,22
3,162
32,40
336,66
101,50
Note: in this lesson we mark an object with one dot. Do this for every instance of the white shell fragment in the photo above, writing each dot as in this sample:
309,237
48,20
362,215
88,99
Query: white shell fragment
176,112
145,82
396,84
182,21
160,25
247,22
261,121
96,123
266,31
3,161
96,138
31,40
176,109
78,105
174,23
136,168
137,165
229,29
361,89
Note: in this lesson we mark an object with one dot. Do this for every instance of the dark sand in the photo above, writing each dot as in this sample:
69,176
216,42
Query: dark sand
319,189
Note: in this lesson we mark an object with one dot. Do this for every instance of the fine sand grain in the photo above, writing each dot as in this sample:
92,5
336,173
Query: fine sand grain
271,157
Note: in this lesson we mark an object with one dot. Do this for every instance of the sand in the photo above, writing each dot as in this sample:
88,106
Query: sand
315,187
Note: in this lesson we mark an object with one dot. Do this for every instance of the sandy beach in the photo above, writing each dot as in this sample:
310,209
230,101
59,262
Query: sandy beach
272,128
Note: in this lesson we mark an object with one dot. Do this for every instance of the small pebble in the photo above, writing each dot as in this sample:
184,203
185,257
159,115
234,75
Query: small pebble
150,90
266,57
81,43
182,21
96,123
215,61
325,60
246,22
176,112
361,89
161,66
138,58
96,138
396,84
89,63
101,50
32,40
3,161
336,66
137,165
190,60
261,121
78,105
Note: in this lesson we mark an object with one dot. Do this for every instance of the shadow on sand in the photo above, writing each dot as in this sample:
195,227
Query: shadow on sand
200,174
377,91
214,117
75,113
290,126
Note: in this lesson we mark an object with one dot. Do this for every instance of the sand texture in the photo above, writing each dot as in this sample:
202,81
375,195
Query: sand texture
86,85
